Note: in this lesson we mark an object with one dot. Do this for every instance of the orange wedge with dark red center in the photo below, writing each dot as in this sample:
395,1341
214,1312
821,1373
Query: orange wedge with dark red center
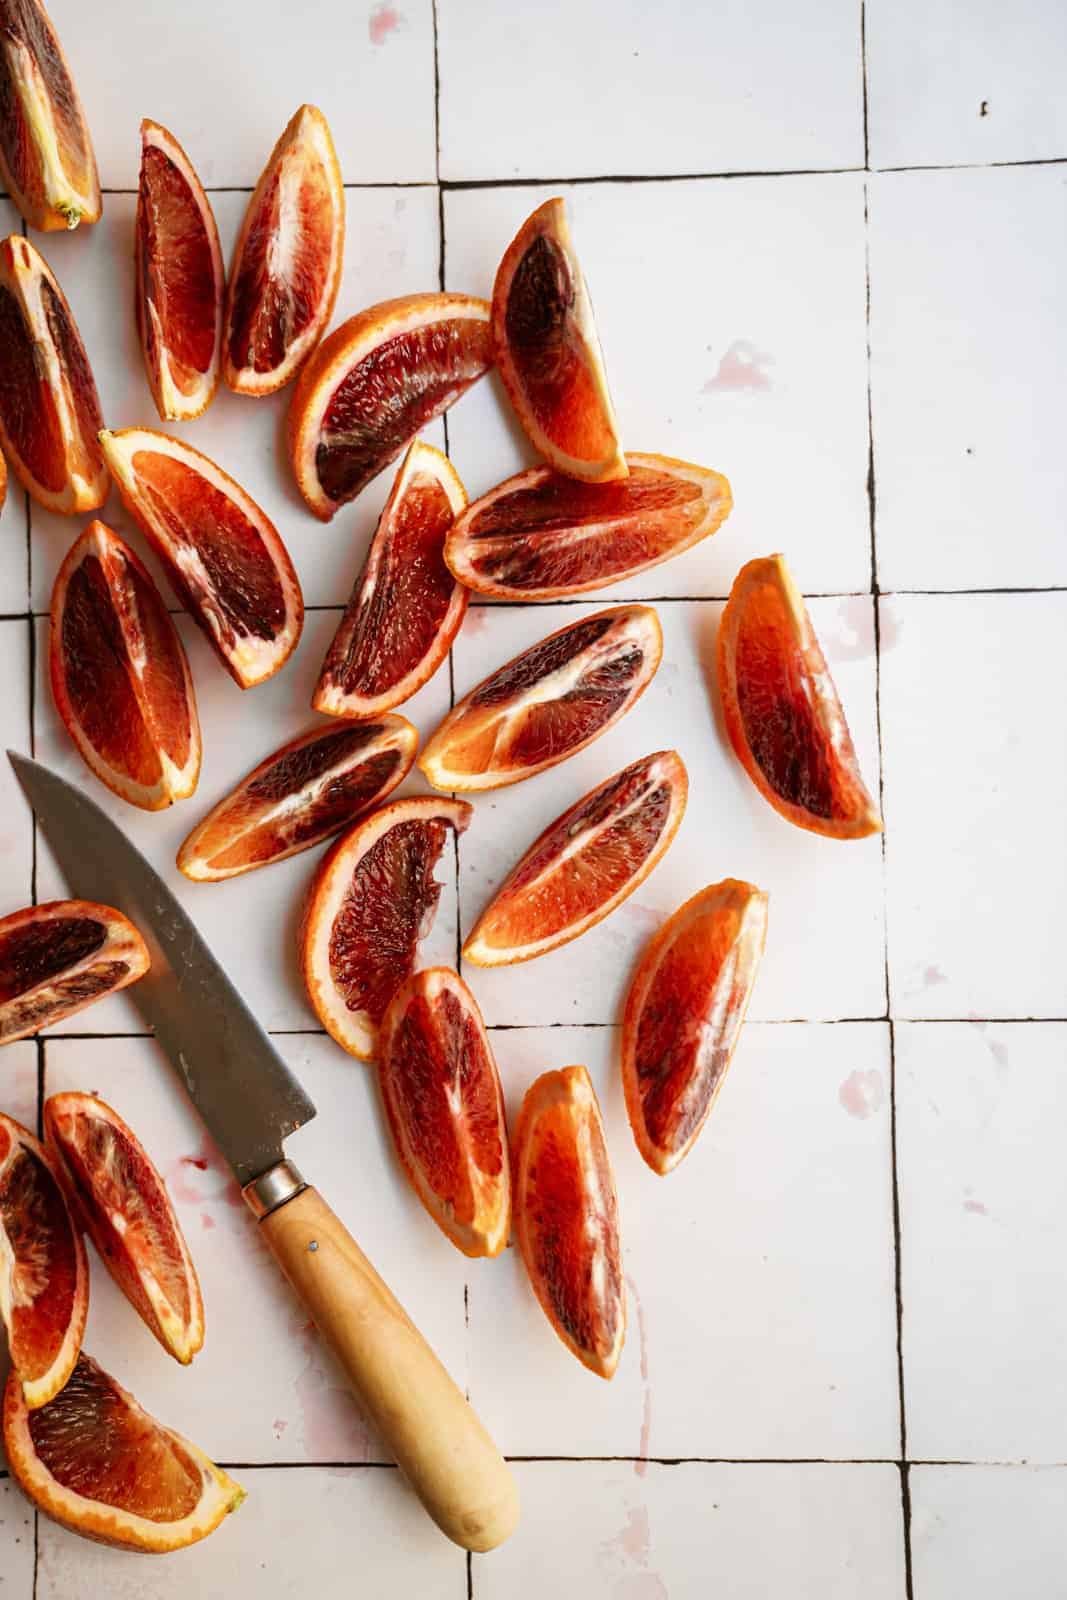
684,1011
49,407
286,266
445,1108
299,795
46,156
180,279
782,712
543,536
548,352
566,1216
548,703
59,957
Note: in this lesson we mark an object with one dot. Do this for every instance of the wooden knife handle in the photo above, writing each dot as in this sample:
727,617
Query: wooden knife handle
438,1441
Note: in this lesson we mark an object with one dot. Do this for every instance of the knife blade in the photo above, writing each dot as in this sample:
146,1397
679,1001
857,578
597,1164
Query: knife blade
251,1102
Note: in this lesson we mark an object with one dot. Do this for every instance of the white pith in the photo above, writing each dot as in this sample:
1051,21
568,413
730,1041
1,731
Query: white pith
59,193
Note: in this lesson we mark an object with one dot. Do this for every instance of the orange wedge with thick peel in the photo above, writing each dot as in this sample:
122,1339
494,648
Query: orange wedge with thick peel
372,899
585,864
180,279
684,1010
122,1203
59,957
46,156
548,353
375,383
782,713
445,1108
315,785
222,554
544,536
49,407
548,703
119,674
286,267
98,1464
406,607
44,1278
566,1217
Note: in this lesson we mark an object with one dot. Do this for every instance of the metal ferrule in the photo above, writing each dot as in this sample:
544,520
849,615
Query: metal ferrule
272,1189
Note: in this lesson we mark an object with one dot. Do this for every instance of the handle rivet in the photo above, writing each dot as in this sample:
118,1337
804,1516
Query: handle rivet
314,1245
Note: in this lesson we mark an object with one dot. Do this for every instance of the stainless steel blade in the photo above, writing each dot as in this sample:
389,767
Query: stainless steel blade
241,1087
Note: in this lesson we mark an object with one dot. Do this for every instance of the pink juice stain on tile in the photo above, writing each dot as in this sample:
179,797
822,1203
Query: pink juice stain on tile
383,20
932,977
476,620
858,642
740,368
203,1179
862,1093
625,1555
976,1208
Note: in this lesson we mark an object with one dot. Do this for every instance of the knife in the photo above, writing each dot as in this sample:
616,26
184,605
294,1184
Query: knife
251,1103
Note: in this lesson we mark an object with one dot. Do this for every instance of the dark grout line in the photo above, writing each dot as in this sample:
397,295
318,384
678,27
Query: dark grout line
975,166
458,185
863,67
470,1575
36,1548
249,188
905,1513
729,1461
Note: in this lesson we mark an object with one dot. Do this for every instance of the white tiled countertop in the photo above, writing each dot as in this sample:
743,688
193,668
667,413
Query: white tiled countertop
827,246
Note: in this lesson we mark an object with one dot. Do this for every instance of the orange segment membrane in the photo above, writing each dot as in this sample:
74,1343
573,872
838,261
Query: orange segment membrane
269,310
177,266
34,1217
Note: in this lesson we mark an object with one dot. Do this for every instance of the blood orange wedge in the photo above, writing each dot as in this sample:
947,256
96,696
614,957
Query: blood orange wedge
44,1279
548,352
46,155
584,864
98,1464
223,555
121,1201
375,383
49,408
406,608
120,679
57,958
548,703
445,1108
373,898
684,1011
299,795
542,536
567,1217
286,267
782,712
180,279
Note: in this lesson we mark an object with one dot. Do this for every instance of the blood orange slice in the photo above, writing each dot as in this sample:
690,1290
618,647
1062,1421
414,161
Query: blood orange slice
44,1279
584,864
49,408
287,264
120,679
375,383
567,1217
548,703
299,795
98,1464
57,958
548,352
542,536
373,898
782,712
223,555
122,1202
445,1108
46,155
683,1015
406,608
180,279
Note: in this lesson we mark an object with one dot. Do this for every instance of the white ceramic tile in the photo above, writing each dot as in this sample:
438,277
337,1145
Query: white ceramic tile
16,822
18,1083
975,771
226,80
310,1532
988,1531
250,922
983,1194
391,248
747,1531
825,949
974,83
762,1318
717,351
558,90
13,560
16,1542
287,1401
968,352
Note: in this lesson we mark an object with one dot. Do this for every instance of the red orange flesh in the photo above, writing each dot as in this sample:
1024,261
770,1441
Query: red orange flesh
47,163
59,957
